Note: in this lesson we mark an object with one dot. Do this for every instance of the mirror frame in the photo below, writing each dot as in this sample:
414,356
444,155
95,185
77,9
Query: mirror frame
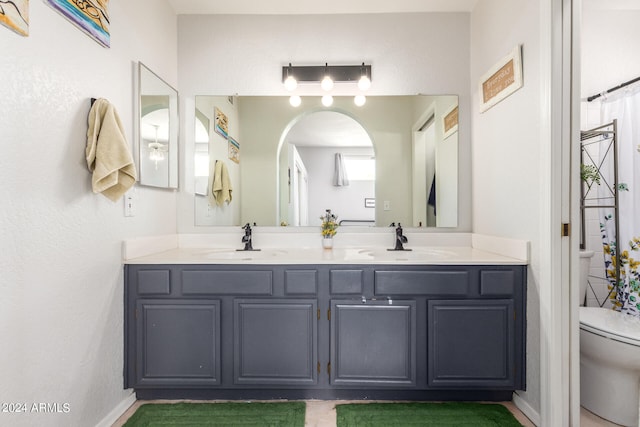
173,149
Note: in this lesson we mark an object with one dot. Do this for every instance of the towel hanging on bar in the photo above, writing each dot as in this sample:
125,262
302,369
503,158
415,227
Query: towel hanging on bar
108,153
220,188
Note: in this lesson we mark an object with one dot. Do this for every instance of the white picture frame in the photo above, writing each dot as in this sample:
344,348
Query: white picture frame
450,121
503,79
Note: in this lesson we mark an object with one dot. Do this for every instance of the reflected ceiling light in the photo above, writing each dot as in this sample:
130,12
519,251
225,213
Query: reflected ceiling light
290,83
295,101
156,150
364,83
359,100
327,100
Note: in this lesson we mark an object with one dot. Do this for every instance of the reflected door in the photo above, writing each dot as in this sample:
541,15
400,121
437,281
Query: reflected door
298,189
424,172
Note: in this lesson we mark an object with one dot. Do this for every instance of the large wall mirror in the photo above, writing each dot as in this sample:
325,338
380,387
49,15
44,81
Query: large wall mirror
158,130
395,159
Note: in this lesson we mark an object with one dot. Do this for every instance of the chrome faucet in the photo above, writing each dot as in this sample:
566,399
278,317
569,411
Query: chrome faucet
400,238
247,238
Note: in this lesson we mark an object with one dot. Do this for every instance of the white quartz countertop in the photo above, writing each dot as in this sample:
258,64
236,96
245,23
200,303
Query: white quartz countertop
422,256
356,248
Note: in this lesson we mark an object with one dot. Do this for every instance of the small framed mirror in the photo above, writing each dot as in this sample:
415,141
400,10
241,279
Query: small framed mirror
157,130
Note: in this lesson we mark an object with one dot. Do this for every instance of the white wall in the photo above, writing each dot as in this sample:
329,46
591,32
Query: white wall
239,54
609,44
506,150
61,310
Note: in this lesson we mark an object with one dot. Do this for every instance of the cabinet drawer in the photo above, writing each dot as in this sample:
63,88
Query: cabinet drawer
300,282
497,283
224,282
436,283
346,282
154,282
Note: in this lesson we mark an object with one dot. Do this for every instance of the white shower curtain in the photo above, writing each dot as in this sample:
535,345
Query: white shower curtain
625,107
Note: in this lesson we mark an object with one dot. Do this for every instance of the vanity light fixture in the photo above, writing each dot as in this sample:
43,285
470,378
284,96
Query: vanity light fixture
317,74
327,75
327,82
290,83
365,82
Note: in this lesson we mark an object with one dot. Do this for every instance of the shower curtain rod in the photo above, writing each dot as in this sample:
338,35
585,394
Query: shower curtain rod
620,86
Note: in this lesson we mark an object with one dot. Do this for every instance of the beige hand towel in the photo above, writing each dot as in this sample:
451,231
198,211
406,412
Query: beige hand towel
108,153
221,184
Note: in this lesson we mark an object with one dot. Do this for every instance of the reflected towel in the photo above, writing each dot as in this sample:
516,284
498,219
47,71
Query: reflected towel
220,184
340,178
108,153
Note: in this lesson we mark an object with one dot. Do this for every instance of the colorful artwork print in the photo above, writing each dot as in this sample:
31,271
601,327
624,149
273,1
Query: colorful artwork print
234,150
221,123
14,14
91,16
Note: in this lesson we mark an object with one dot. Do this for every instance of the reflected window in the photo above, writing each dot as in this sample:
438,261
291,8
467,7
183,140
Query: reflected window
360,168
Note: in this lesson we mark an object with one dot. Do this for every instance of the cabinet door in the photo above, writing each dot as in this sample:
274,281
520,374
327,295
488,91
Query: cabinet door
373,343
275,342
178,343
471,343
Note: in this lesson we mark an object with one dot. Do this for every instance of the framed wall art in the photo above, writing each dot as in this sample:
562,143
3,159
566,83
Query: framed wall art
503,79
221,122
15,15
450,121
90,16
234,150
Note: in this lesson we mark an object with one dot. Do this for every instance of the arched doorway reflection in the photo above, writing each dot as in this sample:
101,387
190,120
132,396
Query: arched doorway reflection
327,161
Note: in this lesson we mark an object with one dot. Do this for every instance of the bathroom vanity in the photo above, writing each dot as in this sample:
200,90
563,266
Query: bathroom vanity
357,325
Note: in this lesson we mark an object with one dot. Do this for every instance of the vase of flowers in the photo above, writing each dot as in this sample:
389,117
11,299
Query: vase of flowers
329,228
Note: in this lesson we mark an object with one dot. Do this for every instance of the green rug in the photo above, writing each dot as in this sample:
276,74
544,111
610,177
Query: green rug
219,414
424,414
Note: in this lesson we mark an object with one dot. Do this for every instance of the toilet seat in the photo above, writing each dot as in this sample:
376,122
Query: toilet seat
611,324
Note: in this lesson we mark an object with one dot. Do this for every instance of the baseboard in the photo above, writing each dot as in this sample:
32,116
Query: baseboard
526,409
116,412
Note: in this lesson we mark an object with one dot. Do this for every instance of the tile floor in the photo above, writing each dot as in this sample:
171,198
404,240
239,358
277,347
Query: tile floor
322,413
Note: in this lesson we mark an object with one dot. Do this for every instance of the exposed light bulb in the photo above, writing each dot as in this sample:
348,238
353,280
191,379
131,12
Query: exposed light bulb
359,100
364,83
327,83
290,83
295,101
327,100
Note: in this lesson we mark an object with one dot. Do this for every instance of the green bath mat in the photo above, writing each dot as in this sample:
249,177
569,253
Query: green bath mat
219,414
425,414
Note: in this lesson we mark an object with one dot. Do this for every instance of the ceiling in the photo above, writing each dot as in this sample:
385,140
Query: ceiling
328,129
308,7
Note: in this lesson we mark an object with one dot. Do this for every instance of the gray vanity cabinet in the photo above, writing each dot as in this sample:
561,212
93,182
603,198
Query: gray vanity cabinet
344,331
471,343
179,343
373,343
275,341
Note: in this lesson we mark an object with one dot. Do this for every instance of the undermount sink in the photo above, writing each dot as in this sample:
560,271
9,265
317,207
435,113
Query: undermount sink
411,255
241,255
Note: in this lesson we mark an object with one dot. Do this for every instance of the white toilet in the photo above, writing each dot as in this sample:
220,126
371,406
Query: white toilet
609,359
